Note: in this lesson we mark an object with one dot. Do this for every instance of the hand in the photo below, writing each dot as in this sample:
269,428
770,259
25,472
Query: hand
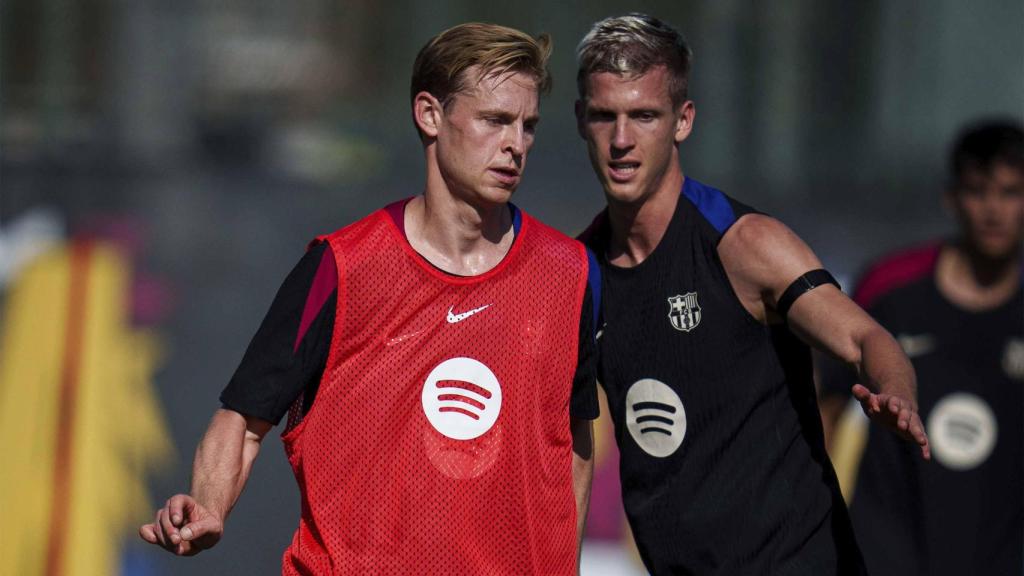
896,413
183,526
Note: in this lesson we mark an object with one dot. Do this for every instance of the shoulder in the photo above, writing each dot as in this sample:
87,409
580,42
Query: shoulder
364,229
763,256
720,210
896,270
761,237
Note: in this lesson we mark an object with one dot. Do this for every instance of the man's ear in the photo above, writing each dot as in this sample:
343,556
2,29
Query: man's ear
684,121
581,111
427,112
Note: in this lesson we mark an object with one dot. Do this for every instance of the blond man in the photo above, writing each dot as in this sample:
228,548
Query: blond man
440,383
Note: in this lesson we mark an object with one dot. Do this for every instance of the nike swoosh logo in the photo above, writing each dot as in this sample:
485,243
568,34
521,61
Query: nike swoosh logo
453,318
914,346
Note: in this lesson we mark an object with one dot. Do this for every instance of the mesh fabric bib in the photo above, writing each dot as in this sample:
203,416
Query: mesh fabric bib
439,440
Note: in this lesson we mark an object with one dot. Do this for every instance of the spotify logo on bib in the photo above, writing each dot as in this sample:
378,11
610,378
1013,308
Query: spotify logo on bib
655,417
461,398
962,430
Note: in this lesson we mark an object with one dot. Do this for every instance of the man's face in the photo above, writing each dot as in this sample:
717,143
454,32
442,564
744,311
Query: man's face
632,132
990,207
485,134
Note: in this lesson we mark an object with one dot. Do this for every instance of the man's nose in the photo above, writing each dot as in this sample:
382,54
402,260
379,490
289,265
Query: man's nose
515,139
622,137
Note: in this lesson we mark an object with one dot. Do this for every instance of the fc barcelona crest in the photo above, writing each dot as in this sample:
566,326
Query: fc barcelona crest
684,312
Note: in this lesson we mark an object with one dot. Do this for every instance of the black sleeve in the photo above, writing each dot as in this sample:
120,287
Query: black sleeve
584,403
276,369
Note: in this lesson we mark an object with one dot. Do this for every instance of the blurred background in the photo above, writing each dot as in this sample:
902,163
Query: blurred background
168,161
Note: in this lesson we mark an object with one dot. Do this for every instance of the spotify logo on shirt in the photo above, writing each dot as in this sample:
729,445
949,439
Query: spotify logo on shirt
461,398
655,417
962,431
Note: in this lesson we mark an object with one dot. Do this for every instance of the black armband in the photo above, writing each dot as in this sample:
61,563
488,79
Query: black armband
801,286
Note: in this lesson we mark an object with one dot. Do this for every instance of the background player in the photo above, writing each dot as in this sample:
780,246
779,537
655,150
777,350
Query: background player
723,468
427,368
957,309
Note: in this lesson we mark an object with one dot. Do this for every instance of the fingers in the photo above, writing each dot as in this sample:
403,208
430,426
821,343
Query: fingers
148,533
178,507
860,392
919,436
908,424
170,531
200,528
169,526
869,402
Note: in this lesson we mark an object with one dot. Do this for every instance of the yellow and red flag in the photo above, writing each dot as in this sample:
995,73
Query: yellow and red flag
81,423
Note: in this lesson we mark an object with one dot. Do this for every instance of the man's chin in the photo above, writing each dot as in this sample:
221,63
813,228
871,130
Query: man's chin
620,194
496,195
998,251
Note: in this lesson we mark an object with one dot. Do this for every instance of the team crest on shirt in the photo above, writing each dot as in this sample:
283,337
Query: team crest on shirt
684,312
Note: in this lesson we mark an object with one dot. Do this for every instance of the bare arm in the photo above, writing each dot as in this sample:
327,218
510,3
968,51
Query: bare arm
762,258
582,471
190,523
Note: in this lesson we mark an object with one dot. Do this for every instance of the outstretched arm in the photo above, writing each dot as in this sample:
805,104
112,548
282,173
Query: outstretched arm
762,258
191,523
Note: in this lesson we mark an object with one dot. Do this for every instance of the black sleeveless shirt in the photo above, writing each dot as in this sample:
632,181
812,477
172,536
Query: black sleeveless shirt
723,463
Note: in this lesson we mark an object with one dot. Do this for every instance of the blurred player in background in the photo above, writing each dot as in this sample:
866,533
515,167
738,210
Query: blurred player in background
957,308
724,469
436,358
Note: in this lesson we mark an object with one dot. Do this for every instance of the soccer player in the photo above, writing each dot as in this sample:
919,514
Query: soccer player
437,356
707,306
957,308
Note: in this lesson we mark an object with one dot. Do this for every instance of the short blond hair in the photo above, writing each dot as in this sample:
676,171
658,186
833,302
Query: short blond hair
631,45
441,65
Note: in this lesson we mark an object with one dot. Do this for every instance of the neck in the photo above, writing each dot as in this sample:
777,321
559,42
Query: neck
638,227
974,281
456,236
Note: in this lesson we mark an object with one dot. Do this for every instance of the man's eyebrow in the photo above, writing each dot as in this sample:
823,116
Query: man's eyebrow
496,112
506,115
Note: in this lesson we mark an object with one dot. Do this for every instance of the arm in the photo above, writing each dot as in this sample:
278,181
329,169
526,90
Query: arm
762,257
188,524
582,471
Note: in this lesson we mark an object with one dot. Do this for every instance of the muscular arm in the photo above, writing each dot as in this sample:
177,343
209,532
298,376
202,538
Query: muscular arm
224,459
582,471
762,257
190,523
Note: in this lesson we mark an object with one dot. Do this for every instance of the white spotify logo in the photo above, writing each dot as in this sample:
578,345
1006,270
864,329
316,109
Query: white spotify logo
461,398
962,430
655,417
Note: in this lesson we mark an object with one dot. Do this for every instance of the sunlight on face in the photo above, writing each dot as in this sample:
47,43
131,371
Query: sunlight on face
485,135
632,131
